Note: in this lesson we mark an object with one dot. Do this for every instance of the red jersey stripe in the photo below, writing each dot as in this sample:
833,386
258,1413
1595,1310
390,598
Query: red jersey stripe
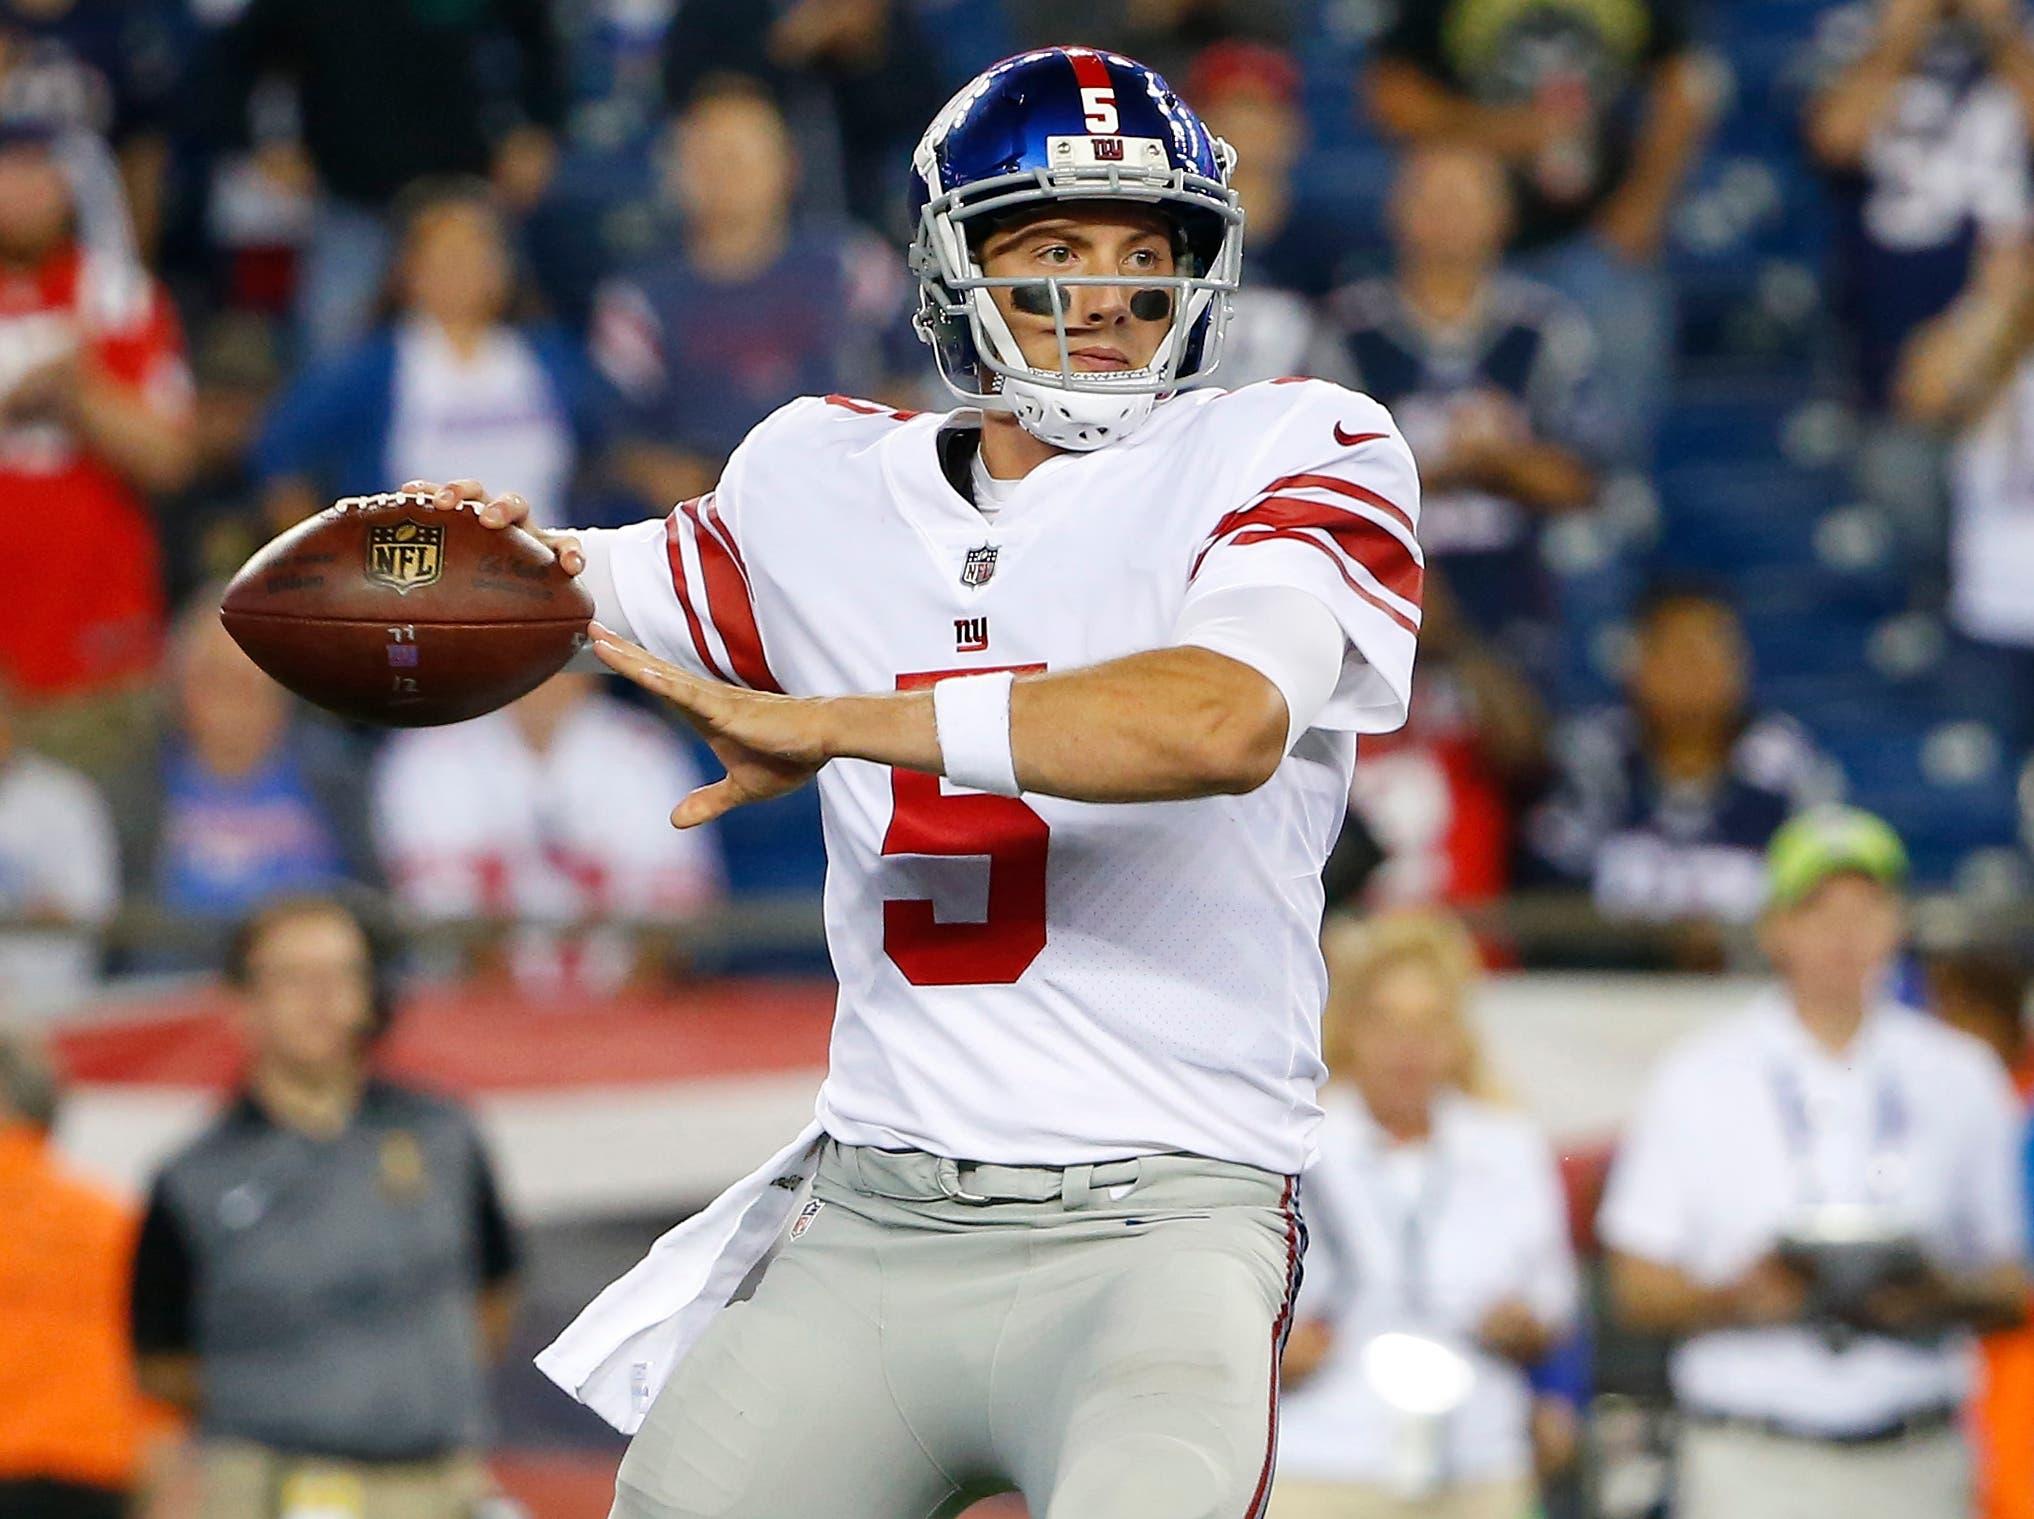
1299,535
727,600
674,549
1347,488
1375,547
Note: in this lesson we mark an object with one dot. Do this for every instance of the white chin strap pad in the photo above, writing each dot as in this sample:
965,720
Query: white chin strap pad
1077,420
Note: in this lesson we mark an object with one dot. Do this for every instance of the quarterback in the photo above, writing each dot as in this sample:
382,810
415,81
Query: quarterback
1079,670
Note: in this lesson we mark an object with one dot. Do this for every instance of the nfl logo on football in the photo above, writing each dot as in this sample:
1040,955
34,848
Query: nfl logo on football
979,566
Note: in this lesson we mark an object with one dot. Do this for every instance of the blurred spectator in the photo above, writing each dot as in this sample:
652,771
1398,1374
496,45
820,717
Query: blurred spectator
388,94
866,65
103,67
1819,1197
460,384
95,411
216,521
1249,94
71,1417
243,799
1599,111
59,871
1968,372
1492,379
1438,1232
1164,34
493,818
1920,117
752,309
1663,808
1985,995
323,1272
1440,796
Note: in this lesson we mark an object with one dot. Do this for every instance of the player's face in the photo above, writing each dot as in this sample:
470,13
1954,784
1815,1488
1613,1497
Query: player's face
1837,941
1102,331
35,202
310,994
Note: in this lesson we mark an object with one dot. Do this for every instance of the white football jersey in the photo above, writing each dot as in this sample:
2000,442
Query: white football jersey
1033,980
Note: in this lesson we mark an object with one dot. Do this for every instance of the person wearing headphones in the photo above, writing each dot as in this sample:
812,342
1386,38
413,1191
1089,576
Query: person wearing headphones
323,1273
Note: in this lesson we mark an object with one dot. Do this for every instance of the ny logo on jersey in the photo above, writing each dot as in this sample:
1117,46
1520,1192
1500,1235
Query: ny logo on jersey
970,635
979,566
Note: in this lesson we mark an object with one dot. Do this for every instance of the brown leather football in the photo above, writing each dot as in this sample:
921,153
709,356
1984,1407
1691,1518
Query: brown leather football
387,610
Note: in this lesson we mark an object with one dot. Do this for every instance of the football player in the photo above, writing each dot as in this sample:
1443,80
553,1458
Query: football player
1080,670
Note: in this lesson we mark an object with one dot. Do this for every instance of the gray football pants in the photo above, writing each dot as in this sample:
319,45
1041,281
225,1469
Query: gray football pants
1102,1339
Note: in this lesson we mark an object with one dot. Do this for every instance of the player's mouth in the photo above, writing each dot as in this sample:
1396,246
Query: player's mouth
1098,356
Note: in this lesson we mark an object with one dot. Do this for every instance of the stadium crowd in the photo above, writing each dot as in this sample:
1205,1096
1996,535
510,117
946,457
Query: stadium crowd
1712,329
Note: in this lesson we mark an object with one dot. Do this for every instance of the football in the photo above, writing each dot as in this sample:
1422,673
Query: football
387,610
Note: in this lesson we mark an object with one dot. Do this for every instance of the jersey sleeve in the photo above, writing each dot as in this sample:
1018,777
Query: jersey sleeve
1333,510
684,585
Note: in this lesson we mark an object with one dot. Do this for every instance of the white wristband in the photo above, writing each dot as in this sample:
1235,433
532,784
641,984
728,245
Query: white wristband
971,714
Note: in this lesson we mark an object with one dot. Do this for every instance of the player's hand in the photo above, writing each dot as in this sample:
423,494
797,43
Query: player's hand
509,510
770,744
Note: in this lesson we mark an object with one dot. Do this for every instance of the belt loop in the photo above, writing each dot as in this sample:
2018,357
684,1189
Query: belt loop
852,1154
1076,1186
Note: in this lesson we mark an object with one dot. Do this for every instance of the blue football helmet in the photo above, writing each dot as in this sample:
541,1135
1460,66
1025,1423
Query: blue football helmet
1045,128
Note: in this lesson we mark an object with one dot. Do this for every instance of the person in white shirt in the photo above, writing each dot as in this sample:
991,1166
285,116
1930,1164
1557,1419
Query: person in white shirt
1820,1198
59,874
1439,1251
481,819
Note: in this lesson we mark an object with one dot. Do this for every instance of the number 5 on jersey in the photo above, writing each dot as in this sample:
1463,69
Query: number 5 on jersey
927,819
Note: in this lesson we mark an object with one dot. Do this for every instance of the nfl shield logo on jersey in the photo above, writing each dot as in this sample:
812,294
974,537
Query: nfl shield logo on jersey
979,566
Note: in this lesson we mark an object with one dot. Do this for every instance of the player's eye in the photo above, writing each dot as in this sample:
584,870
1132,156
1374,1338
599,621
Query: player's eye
1056,253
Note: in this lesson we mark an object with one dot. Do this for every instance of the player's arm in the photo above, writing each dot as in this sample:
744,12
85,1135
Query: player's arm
1163,725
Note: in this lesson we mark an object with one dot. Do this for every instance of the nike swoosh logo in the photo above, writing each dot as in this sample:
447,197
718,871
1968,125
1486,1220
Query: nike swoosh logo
1351,439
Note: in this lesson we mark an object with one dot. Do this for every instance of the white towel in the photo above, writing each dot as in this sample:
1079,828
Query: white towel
621,1350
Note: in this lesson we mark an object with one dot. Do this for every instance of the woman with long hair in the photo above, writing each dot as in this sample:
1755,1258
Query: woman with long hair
1440,1266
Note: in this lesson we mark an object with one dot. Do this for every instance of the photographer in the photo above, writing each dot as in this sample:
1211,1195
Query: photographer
1821,1197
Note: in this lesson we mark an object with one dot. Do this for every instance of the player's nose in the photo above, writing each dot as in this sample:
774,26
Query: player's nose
1102,305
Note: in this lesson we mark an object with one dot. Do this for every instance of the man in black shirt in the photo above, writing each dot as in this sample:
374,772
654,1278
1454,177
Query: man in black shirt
1599,109
323,1272
389,91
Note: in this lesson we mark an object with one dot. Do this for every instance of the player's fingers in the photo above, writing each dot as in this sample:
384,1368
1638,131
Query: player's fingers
505,509
646,670
455,491
571,559
707,803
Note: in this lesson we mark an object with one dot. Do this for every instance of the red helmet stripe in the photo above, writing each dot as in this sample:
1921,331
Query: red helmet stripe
1090,73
